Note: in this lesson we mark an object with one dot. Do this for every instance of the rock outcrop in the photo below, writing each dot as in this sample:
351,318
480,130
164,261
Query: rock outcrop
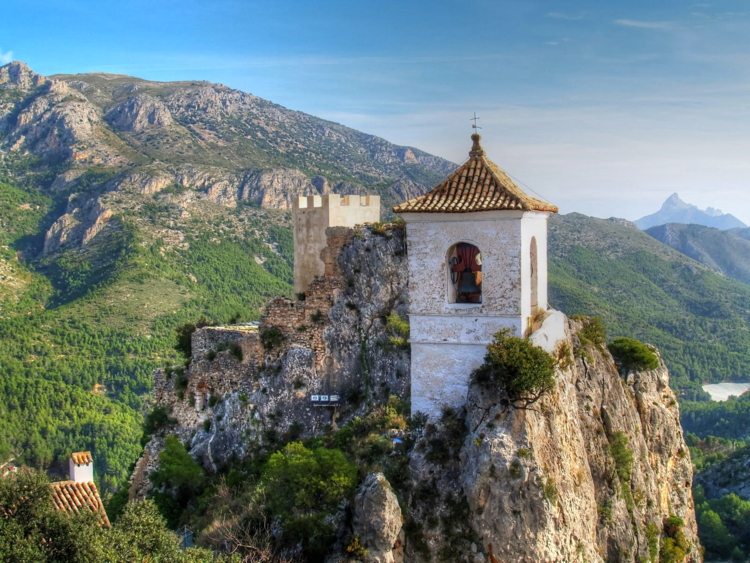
248,383
731,475
378,523
221,145
542,484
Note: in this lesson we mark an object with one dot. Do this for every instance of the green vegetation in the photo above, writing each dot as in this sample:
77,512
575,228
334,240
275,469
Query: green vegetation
631,355
398,330
674,545
83,330
726,419
33,531
271,337
622,455
299,484
723,525
522,371
706,452
304,488
641,289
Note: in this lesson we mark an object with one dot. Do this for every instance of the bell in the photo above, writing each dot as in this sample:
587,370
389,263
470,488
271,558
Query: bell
468,282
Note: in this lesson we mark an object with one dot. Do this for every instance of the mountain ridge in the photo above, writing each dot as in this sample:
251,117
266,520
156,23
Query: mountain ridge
723,251
674,210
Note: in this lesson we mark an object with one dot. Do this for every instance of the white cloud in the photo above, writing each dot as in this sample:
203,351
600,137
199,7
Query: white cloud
5,57
645,24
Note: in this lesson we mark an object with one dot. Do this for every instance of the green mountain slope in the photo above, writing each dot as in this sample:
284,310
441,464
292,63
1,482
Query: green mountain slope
723,251
641,288
82,331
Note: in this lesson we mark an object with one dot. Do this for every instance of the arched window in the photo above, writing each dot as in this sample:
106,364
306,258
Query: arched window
534,277
465,269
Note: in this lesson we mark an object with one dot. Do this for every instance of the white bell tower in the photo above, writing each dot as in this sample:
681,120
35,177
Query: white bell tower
477,255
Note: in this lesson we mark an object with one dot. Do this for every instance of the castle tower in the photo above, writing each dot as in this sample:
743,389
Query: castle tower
312,215
477,247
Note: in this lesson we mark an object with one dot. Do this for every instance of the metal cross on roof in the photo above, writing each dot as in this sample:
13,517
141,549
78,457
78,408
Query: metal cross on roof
474,119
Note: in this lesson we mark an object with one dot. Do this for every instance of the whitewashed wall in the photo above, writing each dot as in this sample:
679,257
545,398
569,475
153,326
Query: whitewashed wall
448,340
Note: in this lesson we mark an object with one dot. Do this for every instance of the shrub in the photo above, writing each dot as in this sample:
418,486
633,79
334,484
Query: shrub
398,330
304,488
177,468
675,546
622,456
355,548
652,536
524,453
524,372
631,355
592,333
271,337
157,419
549,491
211,355
317,317
236,350
181,381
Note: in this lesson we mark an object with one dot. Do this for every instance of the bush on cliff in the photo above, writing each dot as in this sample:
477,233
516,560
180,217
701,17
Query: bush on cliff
304,488
523,371
632,355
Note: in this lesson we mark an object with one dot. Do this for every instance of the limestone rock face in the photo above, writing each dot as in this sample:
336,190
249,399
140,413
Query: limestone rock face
139,113
378,521
328,340
542,484
19,75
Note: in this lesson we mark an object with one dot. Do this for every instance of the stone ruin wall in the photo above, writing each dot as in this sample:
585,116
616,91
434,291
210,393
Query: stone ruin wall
302,321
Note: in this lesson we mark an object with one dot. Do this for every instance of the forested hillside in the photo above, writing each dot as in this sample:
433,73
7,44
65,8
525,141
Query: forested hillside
81,334
641,288
723,251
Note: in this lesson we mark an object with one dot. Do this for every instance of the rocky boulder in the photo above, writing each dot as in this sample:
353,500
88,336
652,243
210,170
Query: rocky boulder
378,521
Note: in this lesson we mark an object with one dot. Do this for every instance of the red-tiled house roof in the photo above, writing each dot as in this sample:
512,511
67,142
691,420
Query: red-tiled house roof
478,185
82,458
72,497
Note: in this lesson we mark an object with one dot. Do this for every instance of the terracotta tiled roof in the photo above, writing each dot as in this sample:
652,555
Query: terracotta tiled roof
478,185
82,458
73,497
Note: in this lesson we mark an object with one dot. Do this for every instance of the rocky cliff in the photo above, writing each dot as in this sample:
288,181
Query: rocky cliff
115,141
589,473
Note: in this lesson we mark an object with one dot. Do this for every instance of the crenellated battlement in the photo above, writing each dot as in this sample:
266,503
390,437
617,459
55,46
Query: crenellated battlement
312,216
335,200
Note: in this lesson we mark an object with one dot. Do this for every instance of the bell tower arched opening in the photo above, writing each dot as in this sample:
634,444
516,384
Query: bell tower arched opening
465,273
534,276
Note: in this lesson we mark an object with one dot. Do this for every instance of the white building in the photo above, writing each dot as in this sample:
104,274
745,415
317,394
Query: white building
477,251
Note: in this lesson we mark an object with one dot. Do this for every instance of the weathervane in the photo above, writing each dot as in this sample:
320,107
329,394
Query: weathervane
474,119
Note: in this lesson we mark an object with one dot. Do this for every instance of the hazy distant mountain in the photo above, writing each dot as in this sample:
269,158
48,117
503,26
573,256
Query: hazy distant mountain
675,210
724,251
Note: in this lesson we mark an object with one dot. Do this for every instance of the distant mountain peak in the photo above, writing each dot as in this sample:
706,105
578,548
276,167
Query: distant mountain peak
675,210
674,202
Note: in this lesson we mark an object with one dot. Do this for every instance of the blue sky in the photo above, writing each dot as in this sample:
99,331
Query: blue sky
602,107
